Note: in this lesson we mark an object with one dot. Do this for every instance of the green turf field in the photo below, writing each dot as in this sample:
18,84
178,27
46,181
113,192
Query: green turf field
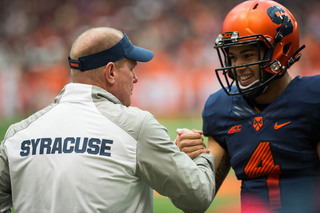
223,203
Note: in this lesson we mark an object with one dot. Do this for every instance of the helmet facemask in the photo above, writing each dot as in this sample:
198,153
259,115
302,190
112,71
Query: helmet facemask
264,24
227,75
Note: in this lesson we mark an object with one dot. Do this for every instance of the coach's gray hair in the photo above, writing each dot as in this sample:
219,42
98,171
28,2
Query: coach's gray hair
92,41
95,40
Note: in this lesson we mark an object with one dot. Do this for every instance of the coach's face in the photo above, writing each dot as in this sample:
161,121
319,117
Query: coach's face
125,78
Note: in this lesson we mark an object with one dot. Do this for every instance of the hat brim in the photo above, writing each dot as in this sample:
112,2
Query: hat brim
140,54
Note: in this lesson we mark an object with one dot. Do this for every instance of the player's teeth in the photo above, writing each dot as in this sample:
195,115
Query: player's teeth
245,77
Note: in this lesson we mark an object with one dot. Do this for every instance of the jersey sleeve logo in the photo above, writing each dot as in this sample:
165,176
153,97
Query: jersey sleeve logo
235,129
278,126
258,123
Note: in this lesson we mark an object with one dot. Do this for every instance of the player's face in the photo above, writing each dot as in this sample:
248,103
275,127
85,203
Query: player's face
126,80
240,55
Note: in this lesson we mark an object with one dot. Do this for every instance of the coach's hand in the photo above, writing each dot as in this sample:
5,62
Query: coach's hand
191,142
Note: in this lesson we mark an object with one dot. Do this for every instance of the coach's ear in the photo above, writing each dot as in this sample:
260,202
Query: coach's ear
110,73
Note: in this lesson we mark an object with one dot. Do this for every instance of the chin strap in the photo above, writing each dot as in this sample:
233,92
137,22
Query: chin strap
295,57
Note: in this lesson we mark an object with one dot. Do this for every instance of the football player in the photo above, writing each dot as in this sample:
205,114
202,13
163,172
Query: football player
264,123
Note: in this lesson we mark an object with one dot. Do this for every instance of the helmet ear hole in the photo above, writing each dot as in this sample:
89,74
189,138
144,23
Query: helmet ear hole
286,48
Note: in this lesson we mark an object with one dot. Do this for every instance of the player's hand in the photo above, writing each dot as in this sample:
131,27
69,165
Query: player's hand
191,142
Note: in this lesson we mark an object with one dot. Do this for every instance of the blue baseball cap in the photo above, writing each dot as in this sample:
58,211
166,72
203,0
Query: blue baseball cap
124,48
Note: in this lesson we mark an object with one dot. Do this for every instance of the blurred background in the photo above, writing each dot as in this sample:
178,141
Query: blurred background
36,36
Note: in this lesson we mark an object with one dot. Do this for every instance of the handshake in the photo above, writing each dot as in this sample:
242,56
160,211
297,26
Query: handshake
191,142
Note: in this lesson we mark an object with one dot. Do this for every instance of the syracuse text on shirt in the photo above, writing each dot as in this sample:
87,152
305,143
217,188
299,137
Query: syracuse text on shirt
94,146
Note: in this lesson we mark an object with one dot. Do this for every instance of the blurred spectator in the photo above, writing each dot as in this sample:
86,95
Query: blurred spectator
36,36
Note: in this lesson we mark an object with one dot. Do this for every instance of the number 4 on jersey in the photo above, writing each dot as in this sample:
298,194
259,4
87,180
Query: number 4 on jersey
261,164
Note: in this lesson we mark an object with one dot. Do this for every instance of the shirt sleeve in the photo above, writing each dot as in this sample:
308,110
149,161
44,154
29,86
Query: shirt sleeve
190,184
5,185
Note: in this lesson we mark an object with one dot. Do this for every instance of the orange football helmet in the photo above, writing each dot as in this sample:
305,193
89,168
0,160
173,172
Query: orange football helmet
263,23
